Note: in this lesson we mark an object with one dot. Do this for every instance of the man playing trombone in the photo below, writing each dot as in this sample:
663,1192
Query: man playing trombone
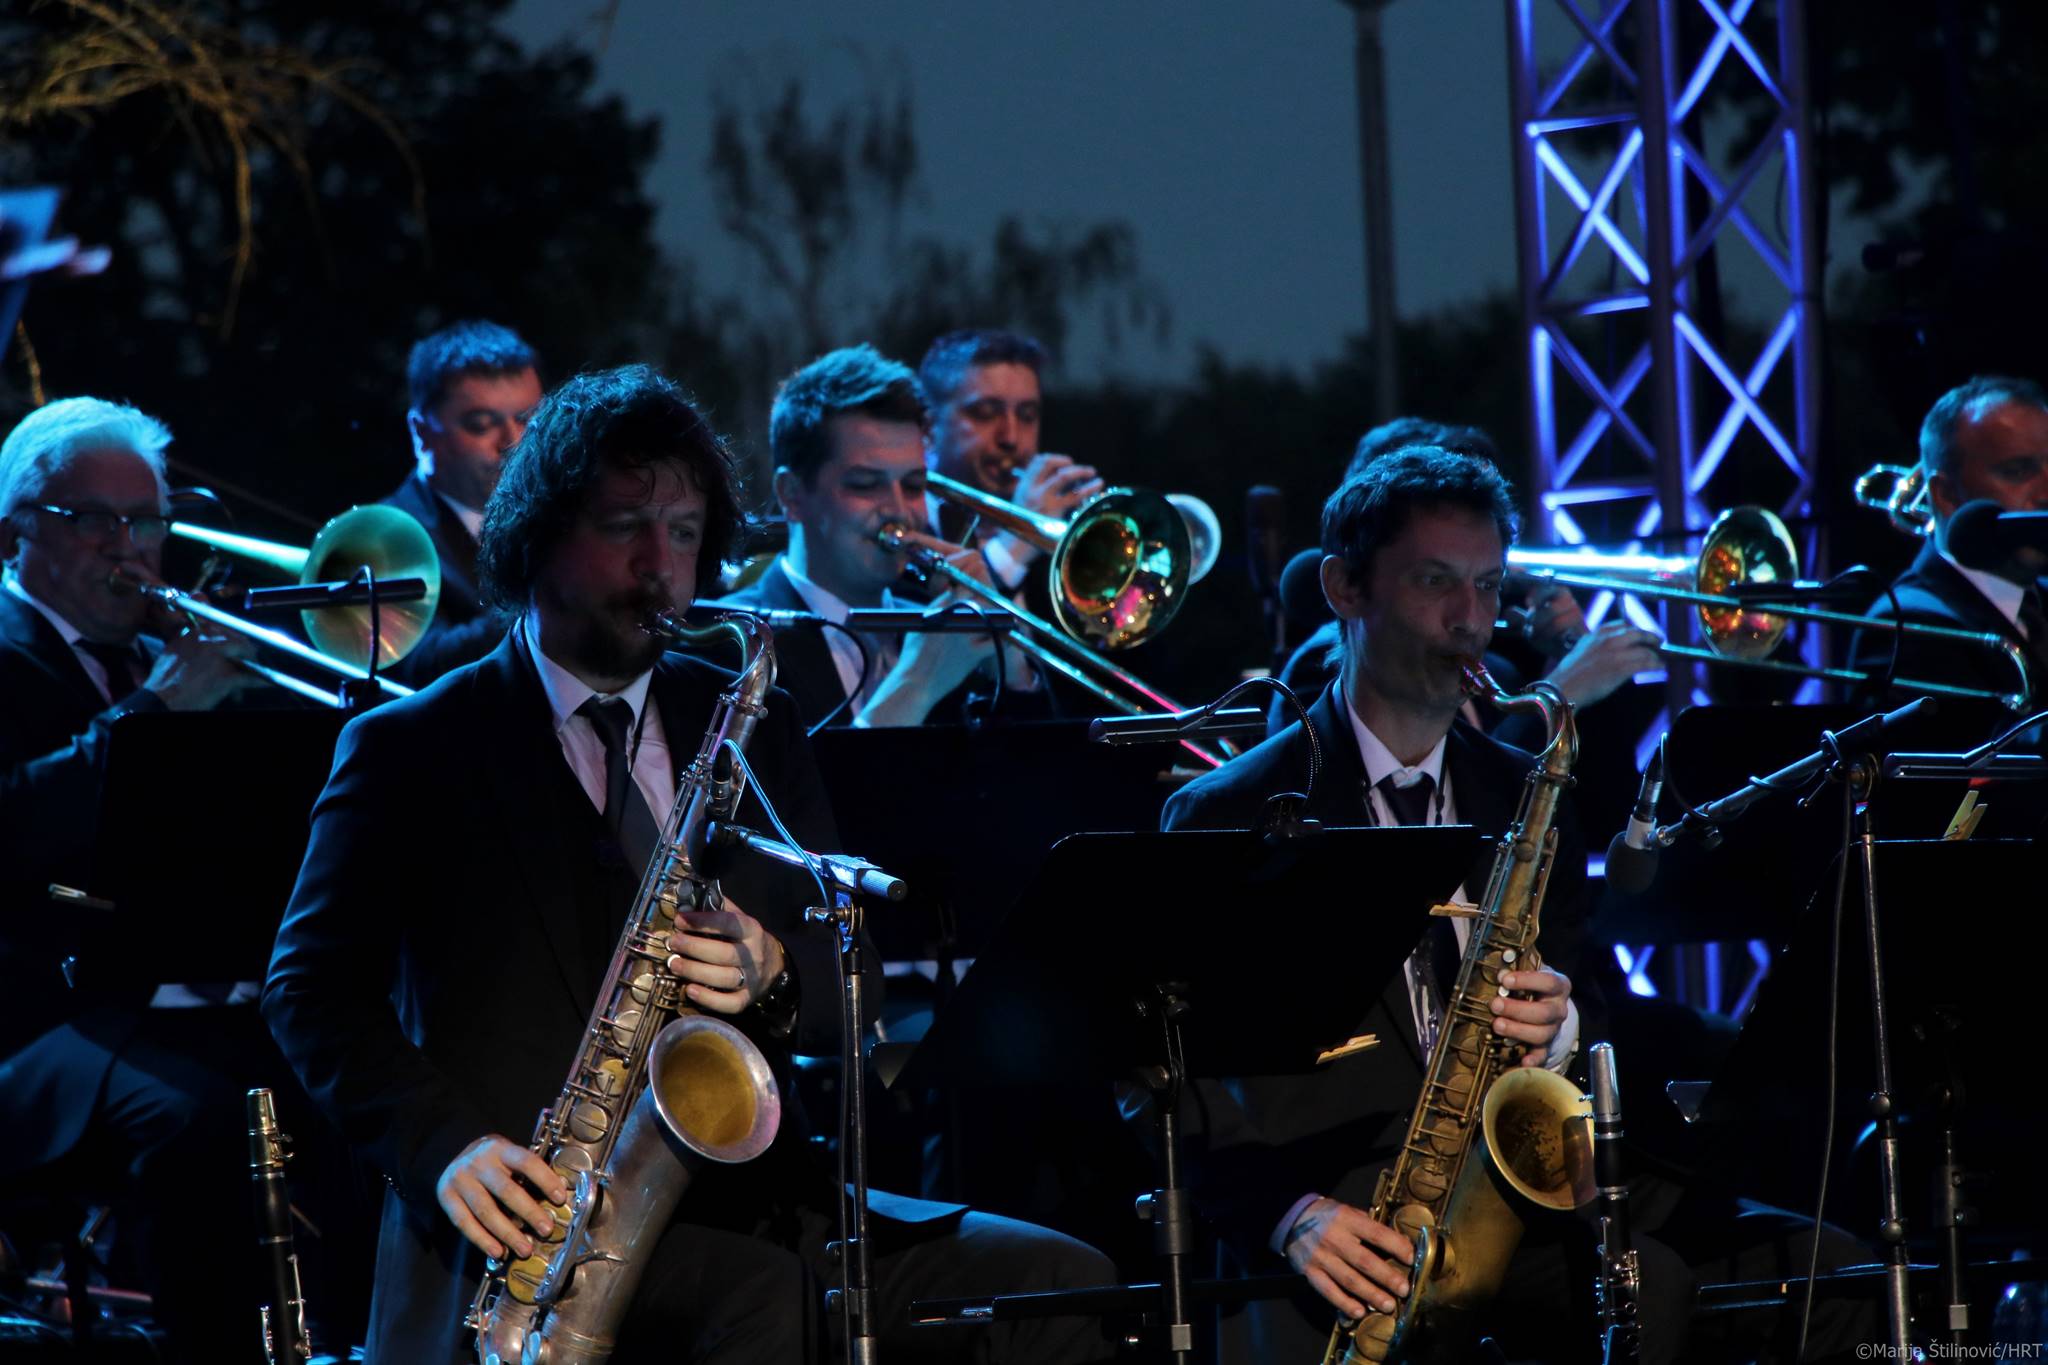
986,408
848,435
95,1081
1986,439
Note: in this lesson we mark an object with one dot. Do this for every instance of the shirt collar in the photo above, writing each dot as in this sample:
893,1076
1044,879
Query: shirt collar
2003,593
566,692
1380,760
72,635
471,519
823,601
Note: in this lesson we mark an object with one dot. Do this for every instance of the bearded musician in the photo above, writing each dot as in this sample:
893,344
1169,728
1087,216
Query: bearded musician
434,1016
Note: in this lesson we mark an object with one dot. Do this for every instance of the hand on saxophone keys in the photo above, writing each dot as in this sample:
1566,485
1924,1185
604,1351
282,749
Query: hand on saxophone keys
726,958
1534,1013
1355,1263
488,1193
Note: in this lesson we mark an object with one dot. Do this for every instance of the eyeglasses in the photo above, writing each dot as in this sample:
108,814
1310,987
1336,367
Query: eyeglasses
144,528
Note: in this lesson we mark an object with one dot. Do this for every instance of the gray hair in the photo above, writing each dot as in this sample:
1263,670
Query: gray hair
46,441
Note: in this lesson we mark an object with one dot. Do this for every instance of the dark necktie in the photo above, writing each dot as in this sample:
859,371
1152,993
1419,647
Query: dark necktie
626,813
2034,622
119,663
1436,957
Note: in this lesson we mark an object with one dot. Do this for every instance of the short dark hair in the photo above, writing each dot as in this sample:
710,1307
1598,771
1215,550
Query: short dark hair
628,418
949,358
1374,505
474,347
1938,453
1404,432
849,380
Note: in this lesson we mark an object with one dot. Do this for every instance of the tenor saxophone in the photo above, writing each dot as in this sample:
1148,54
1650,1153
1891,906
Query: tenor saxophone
657,1088
1527,1127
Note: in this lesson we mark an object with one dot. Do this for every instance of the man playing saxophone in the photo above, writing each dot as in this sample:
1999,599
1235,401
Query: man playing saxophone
434,1015
1415,553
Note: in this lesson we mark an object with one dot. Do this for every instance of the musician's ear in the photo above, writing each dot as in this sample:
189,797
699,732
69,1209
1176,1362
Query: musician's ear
789,490
10,538
1343,589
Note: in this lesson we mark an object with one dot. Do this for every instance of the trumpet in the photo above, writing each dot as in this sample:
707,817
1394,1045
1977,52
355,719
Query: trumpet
1901,493
1746,550
1045,642
1119,568
384,541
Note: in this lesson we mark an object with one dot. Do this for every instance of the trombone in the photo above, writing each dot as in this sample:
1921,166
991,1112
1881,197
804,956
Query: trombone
1901,493
1118,569
1745,552
1047,643
382,541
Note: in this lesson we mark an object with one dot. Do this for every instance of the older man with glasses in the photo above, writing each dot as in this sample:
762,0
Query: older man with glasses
99,1094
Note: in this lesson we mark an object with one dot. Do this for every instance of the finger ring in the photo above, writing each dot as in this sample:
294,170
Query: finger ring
743,979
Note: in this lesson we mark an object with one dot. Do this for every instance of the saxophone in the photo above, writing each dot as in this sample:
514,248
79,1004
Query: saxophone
656,1088
1528,1124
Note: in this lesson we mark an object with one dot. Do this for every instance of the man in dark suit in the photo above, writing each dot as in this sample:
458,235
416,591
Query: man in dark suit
435,1016
1987,438
1286,1165
471,389
847,432
99,1092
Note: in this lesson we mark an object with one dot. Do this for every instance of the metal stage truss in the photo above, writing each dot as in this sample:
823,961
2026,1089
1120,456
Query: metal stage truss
1661,152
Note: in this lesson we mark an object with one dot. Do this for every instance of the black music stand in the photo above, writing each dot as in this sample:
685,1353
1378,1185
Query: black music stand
204,818
1011,792
1128,957
1953,1032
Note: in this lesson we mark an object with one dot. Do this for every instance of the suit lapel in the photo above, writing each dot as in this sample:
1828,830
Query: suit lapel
38,640
1972,609
542,810
451,538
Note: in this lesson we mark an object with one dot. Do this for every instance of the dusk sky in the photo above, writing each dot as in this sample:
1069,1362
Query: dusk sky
1224,132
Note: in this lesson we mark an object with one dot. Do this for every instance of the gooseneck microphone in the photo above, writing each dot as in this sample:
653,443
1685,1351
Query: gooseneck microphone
1632,856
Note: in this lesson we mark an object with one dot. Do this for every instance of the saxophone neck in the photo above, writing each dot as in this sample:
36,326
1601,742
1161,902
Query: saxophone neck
1560,725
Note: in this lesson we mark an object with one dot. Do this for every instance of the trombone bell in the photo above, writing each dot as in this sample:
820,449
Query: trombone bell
1745,545
391,544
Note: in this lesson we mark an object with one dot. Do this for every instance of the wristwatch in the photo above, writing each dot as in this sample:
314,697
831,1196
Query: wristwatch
778,1003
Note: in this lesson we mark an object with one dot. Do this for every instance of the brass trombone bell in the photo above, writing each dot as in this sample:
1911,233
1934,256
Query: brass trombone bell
387,541
1119,567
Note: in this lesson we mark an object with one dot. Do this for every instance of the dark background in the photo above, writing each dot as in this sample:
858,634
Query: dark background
408,165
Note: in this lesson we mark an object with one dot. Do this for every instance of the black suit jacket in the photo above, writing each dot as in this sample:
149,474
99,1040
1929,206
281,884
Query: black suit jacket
1259,1143
463,630
427,1007
1932,592
54,731
803,656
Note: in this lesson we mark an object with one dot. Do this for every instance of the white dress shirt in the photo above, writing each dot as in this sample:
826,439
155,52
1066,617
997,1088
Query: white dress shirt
653,767
2002,593
846,654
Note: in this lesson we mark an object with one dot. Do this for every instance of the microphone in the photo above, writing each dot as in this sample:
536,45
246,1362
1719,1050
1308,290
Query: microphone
1265,520
1983,535
1632,856
1157,726
856,875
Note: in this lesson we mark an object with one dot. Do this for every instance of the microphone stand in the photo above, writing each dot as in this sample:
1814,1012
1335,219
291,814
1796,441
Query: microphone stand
855,1297
848,880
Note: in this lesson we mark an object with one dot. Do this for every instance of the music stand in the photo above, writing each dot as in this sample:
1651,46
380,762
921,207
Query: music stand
1012,791
1128,958
204,819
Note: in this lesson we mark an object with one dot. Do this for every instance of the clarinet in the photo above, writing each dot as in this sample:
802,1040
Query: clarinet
284,1303
1619,1281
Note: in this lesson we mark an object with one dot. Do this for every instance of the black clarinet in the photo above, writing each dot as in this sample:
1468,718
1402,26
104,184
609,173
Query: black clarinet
1618,1286
284,1303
